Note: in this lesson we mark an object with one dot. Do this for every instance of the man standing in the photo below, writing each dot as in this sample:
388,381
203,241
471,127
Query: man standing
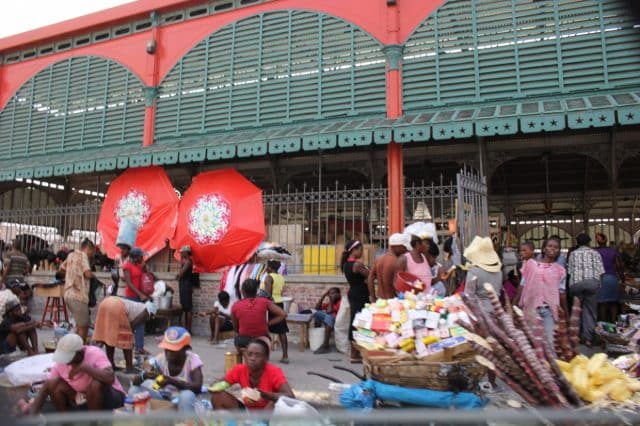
16,265
187,280
585,272
81,375
385,268
77,273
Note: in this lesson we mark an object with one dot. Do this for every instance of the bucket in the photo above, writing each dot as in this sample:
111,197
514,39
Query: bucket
405,282
286,302
316,338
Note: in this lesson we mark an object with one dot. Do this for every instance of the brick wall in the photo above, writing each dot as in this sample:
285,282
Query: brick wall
304,289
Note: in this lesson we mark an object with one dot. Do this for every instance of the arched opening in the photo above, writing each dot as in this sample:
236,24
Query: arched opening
547,174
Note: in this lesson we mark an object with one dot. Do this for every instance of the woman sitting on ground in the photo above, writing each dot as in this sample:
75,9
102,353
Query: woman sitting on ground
115,321
249,315
179,367
262,382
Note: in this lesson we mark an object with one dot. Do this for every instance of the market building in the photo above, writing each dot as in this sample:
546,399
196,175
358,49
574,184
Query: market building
354,116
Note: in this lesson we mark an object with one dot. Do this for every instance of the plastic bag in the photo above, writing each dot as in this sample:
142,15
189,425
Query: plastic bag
299,410
29,370
341,327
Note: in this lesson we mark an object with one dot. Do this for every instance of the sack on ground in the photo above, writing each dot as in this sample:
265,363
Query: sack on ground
341,327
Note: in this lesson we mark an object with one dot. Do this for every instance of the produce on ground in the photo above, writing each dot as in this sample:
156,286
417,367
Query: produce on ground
597,379
521,356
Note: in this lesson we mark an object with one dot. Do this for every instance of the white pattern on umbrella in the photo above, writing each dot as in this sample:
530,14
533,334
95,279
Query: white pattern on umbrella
209,219
133,206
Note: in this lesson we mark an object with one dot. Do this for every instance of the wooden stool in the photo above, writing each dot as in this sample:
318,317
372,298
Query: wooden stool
169,315
303,320
54,305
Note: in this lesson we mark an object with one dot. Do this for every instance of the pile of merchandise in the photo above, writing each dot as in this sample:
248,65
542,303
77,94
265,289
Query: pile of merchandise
420,324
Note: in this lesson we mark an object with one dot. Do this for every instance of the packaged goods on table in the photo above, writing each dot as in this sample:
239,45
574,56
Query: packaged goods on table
415,324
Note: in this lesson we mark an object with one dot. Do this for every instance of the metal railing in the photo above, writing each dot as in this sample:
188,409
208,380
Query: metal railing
314,225
405,416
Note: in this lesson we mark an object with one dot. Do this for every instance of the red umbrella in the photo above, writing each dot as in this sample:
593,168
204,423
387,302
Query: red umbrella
146,197
221,218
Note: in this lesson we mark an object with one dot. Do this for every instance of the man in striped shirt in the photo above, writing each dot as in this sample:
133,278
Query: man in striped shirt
585,270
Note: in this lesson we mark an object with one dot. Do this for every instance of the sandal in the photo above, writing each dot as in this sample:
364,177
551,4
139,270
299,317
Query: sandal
284,361
142,351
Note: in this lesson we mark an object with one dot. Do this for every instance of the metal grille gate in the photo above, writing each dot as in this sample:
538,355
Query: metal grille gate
314,225
472,208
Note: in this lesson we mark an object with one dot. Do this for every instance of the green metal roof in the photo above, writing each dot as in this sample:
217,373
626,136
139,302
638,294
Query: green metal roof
496,50
531,116
279,67
84,102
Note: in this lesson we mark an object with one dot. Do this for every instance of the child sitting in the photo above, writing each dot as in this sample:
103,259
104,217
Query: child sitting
220,319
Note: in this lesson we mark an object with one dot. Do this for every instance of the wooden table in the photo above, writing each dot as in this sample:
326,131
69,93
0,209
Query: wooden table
303,320
169,315
54,305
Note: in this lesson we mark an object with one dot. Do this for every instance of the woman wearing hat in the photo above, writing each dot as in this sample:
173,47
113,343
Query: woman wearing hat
187,280
178,371
484,267
415,261
356,274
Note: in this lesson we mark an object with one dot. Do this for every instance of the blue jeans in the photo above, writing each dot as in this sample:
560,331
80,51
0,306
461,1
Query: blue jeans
186,398
324,318
138,331
549,324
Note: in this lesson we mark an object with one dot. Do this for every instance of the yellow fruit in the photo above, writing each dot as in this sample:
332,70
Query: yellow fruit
612,385
597,379
609,372
579,360
564,366
620,394
580,381
594,395
632,384
596,362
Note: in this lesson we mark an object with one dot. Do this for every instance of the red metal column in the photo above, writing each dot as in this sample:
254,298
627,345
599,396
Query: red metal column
152,75
395,168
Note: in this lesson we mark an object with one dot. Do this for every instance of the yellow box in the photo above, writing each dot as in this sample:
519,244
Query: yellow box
319,259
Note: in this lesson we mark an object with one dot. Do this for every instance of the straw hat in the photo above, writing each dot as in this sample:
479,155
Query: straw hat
481,253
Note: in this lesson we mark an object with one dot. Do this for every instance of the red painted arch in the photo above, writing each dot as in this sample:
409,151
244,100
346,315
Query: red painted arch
175,40
14,76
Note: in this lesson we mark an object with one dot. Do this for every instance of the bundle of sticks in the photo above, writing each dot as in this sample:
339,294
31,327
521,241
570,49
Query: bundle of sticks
520,355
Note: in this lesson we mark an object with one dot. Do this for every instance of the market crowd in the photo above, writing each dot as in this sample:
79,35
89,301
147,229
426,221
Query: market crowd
541,280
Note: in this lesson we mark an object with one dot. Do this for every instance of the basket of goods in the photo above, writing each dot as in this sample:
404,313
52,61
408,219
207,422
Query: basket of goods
612,335
414,341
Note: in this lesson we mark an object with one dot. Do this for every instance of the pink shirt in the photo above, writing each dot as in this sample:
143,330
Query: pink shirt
542,285
94,357
420,270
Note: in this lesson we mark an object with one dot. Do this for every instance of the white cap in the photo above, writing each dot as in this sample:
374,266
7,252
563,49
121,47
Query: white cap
67,348
398,239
